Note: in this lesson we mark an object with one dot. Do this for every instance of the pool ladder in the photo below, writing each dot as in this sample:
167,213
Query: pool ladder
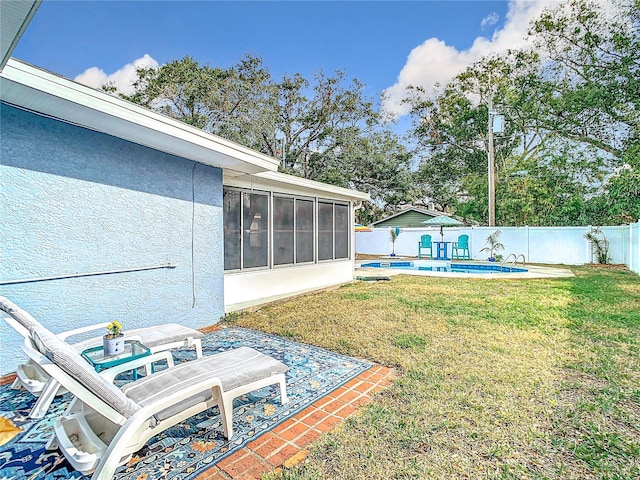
515,260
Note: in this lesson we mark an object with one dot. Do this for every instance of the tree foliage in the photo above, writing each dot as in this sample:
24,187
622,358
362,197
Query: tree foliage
592,76
593,80
234,102
324,130
572,116
569,154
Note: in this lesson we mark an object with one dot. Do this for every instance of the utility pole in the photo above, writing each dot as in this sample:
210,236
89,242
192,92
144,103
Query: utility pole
491,162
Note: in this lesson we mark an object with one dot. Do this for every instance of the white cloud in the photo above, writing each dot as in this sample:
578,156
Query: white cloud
122,78
435,63
490,20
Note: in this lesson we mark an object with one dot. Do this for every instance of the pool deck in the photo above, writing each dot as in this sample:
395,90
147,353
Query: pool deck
533,271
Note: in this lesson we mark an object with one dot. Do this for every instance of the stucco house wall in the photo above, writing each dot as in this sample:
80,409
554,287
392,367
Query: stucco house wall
75,201
98,196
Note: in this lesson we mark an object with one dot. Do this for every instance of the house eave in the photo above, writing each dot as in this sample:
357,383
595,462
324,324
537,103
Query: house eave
15,16
285,183
45,93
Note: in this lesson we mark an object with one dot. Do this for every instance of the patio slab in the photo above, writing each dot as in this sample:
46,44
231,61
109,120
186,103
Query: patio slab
324,389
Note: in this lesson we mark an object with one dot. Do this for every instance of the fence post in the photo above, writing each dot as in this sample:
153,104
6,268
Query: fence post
637,250
630,265
471,235
634,251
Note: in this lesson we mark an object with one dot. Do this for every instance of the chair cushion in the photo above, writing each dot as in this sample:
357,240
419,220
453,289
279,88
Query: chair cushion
73,364
169,333
234,368
21,316
149,336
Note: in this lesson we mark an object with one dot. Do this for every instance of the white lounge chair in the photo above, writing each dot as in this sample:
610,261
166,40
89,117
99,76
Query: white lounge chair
32,378
105,425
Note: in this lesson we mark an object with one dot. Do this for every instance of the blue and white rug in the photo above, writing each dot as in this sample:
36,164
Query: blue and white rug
188,449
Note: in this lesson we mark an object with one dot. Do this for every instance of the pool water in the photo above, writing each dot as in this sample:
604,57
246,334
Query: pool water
445,267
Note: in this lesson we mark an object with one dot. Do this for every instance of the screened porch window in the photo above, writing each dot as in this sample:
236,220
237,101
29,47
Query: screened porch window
283,232
305,221
263,230
325,231
255,230
342,232
232,229
333,231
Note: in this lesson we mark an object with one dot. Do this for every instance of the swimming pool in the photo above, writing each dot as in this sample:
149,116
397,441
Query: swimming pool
445,267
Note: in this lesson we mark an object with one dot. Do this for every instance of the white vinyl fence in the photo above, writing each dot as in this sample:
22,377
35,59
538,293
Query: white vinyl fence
634,248
554,245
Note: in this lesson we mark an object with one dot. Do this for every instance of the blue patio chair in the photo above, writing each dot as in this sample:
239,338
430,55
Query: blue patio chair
460,249
425,244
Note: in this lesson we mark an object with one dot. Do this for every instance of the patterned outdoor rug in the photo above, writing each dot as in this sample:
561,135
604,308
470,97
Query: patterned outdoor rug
197,444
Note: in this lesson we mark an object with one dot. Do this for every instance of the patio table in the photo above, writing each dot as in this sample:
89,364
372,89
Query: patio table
441,250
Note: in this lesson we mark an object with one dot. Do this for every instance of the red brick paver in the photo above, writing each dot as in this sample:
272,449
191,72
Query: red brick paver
286,444
7,379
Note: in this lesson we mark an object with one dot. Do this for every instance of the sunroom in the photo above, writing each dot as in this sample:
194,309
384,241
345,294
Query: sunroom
285,235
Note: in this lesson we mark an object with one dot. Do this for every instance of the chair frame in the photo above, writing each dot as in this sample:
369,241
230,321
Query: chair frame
455,247
192,385
133,432
420,246
33,378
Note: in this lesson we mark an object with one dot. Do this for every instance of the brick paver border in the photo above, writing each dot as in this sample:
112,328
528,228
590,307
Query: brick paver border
286,444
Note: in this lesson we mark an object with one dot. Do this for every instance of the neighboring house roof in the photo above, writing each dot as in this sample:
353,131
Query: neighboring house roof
412,211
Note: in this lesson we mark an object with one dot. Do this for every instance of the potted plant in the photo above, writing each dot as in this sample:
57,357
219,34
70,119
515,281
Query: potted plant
113,342
494,246
393,233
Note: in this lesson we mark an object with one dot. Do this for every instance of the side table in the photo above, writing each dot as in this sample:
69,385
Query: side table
133,350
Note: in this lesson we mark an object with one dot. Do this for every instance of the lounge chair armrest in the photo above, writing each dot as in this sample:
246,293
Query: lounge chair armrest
81,330
111,373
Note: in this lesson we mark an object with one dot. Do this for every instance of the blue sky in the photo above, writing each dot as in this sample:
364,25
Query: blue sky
385,44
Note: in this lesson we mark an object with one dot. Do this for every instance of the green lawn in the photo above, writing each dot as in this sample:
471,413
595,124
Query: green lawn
504,379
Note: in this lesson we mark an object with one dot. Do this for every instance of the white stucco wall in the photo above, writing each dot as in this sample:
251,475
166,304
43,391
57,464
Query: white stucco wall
74,201
242,290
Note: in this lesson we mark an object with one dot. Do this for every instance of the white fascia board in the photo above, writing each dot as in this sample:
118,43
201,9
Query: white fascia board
15,16
43,92
283,183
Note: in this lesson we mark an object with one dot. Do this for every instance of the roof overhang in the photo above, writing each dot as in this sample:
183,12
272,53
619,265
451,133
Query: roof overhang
283,183
43,92
15,15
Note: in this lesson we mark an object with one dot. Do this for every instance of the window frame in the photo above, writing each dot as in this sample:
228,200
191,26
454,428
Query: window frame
313,234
